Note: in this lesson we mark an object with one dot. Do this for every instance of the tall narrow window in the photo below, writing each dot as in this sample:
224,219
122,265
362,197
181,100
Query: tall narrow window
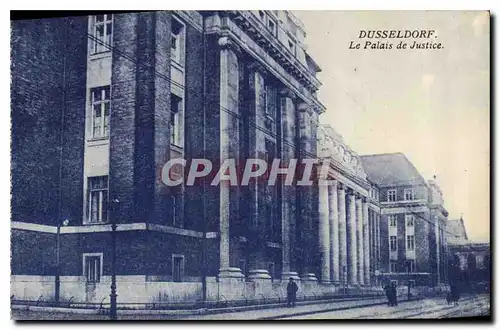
98,199
175,113
409,194
393,220
393,267
393,241
410,266
410,242
102,33
92,267
391,195
177,46
177,267
410,220
100,112
270,102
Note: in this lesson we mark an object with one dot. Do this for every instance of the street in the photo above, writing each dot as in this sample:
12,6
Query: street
428,308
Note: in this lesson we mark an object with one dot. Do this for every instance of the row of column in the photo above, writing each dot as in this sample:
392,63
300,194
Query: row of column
343,235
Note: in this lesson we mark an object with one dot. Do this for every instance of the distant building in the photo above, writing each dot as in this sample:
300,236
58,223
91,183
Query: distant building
413,247
469,262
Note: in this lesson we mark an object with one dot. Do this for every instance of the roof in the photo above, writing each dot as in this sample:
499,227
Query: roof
391,170
456,233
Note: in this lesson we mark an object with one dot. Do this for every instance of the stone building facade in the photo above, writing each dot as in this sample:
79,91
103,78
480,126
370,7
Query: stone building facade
101,103
412,222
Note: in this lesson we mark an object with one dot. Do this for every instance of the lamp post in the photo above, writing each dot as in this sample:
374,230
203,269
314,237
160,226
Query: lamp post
408,262
58,261
344,272
113,295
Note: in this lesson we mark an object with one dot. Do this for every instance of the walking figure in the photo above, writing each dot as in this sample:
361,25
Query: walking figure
291,292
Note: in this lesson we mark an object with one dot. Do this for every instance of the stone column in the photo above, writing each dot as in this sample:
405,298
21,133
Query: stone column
257,262
334,232
229,148
288,195
324,232
352,260
360,240
342,234
366,239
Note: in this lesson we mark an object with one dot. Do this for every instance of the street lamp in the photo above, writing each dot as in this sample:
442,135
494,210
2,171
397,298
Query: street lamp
58,262
113,295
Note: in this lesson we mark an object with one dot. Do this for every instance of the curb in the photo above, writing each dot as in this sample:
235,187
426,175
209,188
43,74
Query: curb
201,311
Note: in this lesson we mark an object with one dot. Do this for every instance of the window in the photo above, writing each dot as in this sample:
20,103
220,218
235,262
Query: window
98,199
393,267
102,33
291,46
177,45
100,112
272,270
177,267
409,194
410,220
393,241
175,125
270,102
92,267
271,26
410,264
411,283
393,220
410,242
391,195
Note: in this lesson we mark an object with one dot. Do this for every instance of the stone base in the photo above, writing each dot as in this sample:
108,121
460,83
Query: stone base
230,272
285,276
258,274
308,277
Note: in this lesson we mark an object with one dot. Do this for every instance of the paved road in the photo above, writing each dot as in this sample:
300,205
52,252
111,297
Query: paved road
429,308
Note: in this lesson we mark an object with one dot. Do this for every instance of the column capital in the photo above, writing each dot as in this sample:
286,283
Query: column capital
229,43
287,92
358,195
334,183
340,185
257,67
364,199
303,107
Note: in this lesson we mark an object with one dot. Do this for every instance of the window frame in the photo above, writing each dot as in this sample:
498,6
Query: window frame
102,218
86,256
393,264
180,58
391,237
392,219
411,192
391,193
101,104
176,130
182,267
410,220
97,48
412,268
410,238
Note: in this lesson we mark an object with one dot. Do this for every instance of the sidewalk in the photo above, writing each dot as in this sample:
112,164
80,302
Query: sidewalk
279,312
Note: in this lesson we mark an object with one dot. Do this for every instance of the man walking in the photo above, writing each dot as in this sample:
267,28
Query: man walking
291,292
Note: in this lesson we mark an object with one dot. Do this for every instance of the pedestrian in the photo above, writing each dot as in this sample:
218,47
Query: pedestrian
387,290
394,294
291,293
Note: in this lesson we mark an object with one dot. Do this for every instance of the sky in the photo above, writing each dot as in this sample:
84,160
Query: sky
431,105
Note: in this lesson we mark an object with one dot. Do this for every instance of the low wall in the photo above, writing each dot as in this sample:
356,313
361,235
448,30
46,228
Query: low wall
138,290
